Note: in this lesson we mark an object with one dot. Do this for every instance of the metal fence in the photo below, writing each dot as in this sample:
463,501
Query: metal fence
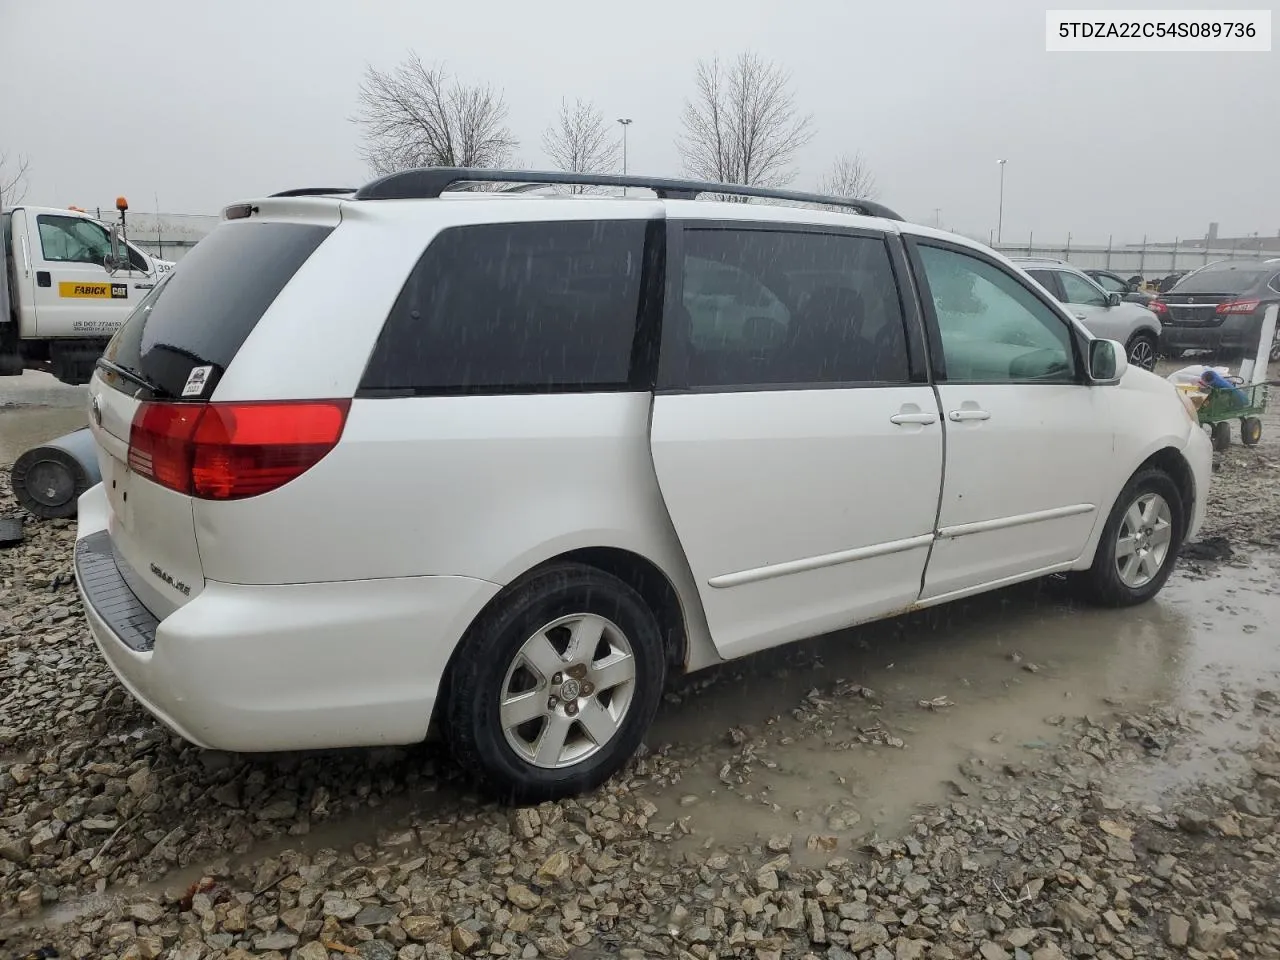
171,235
1147,261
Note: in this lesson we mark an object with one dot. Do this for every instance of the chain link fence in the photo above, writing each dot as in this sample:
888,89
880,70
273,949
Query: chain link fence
1148,261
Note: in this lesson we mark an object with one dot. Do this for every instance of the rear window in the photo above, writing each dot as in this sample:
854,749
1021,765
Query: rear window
1234,280
203,311
516,308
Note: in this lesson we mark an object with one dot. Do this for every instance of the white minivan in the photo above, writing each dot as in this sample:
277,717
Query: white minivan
378,459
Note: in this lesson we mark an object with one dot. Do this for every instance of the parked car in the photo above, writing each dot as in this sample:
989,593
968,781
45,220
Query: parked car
381,460
1220,308
1105,314
1130,290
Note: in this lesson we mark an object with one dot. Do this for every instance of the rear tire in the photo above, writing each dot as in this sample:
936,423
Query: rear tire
1141,350
553,688
1250,431
11,363
1220,435
1139,543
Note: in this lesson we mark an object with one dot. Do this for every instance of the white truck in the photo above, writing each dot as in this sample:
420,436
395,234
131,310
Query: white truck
69,281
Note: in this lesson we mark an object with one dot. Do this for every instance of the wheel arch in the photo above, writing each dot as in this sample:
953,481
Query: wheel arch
1169,459
685,636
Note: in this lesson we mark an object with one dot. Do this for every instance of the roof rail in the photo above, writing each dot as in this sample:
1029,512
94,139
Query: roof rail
429,182
313,191
1040,259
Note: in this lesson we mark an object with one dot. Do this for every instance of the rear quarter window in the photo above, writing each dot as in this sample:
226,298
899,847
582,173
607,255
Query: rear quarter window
516,308
201,314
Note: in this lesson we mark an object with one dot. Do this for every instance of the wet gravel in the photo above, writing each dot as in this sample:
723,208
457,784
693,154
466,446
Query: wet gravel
118,840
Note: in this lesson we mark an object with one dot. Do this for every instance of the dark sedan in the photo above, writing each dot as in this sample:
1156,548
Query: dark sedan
1220,308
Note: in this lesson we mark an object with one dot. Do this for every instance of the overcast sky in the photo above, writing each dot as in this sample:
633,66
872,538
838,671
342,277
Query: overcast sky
200,104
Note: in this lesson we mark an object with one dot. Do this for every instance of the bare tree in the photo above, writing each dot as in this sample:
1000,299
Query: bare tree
849,176
742,124
579,141
417,116
13,183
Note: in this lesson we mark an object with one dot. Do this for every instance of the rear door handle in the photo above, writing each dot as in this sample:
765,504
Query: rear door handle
959,416
922,418
1080,316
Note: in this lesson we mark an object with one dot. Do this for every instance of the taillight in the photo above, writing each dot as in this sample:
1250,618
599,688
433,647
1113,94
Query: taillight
1158,306
1237,306
227,451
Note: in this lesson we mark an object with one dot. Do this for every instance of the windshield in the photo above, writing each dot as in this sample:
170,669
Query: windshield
1221,280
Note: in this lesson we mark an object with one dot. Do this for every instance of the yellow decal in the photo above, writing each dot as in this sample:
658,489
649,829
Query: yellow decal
93,291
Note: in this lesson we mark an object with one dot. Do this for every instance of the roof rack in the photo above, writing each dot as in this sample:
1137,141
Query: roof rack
427,183
1039,259
313,191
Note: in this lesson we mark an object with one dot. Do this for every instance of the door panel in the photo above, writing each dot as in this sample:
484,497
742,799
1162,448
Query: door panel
800,511
1025,437
1023,489
798,453
1088,303
81,299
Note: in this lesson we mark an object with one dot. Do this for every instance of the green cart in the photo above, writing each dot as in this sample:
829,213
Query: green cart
1243,402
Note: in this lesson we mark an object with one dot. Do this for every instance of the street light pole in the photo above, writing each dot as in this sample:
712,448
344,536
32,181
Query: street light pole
1000,215
625,122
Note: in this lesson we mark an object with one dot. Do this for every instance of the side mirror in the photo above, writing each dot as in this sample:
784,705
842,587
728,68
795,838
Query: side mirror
1113,299
1107,361
112,261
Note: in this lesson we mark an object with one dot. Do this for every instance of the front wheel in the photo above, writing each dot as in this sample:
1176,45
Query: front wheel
1142,351
555,686
1140,542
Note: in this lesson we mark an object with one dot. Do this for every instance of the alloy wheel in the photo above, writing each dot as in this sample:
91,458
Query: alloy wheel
567,691
1144,540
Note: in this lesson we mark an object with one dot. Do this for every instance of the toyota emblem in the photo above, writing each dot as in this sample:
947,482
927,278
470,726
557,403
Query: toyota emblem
95,410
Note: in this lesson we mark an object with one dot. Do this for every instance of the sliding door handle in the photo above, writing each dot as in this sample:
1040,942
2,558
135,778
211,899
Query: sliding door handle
921,418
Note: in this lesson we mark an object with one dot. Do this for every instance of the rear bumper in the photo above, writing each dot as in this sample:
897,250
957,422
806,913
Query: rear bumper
253,668
1235,333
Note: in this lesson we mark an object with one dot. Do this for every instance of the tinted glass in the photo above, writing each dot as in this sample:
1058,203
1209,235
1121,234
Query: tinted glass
1047,280
1110,283
203,312
1079,290
1233,280
994,330
762,307
517,307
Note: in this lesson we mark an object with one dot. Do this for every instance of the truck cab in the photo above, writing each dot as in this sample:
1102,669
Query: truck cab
71,283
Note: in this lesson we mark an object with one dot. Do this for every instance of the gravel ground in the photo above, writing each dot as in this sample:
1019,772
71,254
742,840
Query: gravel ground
118,840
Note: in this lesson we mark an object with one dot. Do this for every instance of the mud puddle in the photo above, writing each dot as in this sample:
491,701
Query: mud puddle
846,737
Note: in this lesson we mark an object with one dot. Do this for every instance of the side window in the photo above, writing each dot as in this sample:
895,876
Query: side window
72,240
994,330
515,308
1110,284
1049,280
1079,290
766,307
136,260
